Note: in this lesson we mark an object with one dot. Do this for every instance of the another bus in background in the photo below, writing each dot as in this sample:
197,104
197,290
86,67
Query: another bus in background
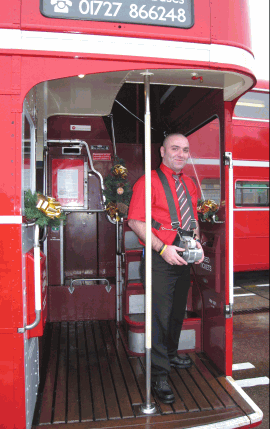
251,179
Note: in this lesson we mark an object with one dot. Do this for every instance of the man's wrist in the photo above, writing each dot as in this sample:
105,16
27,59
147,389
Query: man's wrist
161,250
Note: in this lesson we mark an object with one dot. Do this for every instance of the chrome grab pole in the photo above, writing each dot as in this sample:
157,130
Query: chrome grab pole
229,162
118,273
37,282
231,227
148,408
62,268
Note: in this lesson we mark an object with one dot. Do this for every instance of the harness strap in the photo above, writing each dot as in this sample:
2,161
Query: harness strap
169,197
172,209
155,224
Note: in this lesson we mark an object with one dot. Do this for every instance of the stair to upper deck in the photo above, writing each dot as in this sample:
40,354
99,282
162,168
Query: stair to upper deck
134,303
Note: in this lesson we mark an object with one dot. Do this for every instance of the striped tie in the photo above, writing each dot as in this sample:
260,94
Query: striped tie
183,203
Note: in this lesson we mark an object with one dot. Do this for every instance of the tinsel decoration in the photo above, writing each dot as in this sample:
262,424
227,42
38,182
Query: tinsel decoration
113,211
120,171
42,210
117,190
207,210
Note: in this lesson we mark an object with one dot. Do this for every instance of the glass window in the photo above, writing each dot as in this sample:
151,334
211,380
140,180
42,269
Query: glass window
252,194
26,155
254,105
204,162
211,189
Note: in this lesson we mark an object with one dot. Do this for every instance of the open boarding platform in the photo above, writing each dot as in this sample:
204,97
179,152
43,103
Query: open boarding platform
89,381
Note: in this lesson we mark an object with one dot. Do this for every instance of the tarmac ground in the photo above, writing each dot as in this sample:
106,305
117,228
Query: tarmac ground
251,337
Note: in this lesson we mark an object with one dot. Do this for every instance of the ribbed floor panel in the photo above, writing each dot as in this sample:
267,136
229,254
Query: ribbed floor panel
89,381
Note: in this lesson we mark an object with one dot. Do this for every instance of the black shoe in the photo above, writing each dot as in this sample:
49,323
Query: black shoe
181,361
163,390
185,357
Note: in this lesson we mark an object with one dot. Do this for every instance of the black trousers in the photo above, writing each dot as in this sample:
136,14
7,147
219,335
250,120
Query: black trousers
170,286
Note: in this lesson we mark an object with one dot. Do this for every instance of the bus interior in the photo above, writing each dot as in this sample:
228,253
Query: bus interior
91,343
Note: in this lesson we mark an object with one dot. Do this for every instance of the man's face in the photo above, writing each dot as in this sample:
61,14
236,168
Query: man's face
175,153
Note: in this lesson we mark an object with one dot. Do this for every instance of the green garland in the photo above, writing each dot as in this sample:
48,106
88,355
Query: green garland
117,188
32,213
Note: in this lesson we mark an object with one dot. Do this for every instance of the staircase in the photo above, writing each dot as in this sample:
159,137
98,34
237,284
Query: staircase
134,303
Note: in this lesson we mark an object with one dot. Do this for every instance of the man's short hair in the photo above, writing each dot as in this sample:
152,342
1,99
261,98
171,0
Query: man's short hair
171,135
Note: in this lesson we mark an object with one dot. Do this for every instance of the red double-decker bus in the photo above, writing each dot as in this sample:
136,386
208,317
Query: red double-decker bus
72,320
251,179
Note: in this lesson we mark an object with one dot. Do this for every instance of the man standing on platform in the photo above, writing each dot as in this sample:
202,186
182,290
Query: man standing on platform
170,272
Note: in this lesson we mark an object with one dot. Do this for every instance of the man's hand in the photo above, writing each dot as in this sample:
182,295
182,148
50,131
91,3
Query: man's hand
171,256
199,246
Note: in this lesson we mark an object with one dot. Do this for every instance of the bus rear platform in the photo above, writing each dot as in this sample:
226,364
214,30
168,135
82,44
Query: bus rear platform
88,380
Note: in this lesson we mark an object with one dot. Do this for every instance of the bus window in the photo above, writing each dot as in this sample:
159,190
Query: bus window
251,194
204,162
211,189
254,105
26,172
28,153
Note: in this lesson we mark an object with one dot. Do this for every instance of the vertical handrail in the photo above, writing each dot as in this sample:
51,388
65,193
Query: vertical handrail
62,268
231,227
229,161
148,408
118,275
92,169
37,269
37,282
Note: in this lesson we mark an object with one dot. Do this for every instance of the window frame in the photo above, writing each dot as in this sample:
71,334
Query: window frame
254,182
252,118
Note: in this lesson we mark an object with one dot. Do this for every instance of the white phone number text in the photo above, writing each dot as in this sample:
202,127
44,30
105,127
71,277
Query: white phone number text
111,9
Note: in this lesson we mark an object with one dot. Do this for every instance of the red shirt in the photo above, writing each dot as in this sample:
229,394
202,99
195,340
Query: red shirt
160,209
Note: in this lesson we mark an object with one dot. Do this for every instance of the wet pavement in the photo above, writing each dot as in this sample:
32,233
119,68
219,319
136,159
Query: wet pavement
251,336
255,283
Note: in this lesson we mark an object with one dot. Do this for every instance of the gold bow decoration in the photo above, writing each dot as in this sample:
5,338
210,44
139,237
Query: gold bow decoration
120,171
207,209
49,206
43,210
113,211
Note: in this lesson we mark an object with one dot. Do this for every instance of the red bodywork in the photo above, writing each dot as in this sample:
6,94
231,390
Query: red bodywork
211,23
251,226
20,71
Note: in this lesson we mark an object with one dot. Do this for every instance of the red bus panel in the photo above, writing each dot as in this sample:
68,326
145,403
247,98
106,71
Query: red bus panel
210,23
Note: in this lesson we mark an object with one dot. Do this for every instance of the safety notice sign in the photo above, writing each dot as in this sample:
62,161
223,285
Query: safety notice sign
102,157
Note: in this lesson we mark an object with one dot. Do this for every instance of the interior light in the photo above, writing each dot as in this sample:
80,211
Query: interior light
244,103
81,76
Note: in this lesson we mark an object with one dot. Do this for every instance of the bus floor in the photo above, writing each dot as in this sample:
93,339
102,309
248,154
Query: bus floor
88,380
